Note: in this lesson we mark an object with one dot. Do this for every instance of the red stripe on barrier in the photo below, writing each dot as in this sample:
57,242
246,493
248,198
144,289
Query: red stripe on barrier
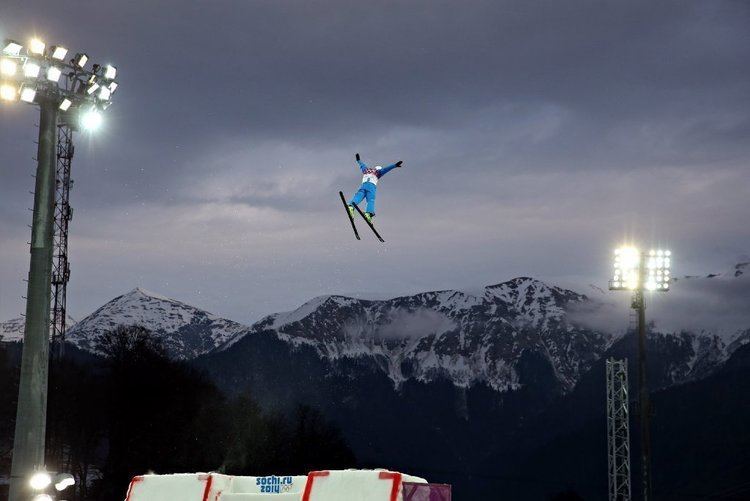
309,484
396,478
206,492
130,486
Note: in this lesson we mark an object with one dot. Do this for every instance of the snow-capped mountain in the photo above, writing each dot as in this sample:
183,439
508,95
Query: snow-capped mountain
184,330
464,336
11,331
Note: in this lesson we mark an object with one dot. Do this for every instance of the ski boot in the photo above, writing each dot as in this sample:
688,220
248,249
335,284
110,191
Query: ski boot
350,208
369,217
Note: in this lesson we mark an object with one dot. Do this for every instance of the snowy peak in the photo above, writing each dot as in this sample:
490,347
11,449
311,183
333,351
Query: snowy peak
185,331
464,336
11,331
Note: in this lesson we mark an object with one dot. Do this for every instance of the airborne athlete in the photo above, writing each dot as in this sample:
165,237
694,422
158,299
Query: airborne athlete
369,187
367,191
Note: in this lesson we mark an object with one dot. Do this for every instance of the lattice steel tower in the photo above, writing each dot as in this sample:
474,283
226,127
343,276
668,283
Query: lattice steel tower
618,430
63,215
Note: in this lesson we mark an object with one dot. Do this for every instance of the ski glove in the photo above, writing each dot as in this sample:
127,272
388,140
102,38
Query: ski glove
357,157
398,164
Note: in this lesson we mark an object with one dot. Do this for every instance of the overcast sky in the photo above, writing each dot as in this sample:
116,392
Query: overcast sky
536,135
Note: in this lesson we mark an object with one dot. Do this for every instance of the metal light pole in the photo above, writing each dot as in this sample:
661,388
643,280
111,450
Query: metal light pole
33,75
639,272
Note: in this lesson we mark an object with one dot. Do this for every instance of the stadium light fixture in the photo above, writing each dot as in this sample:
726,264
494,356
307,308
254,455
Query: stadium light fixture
59,53
8,92
31,69
39,74
12,48
53,73
36,46
80,60
8,67
28,94
105,94
110,72
91,119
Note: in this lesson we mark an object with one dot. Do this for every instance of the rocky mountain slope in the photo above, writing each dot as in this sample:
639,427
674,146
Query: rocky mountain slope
465,337
185,331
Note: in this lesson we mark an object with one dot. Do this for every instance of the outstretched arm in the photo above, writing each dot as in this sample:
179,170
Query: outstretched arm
387,169
362,165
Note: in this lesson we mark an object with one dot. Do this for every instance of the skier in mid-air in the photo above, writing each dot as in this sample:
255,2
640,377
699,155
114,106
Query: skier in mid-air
369,188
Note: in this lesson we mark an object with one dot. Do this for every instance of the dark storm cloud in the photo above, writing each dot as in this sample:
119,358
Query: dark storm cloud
527,127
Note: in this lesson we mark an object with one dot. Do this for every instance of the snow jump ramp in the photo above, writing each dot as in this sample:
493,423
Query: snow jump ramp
326,485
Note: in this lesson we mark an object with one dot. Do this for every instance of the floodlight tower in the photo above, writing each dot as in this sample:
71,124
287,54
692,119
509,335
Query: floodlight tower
67,93
639,272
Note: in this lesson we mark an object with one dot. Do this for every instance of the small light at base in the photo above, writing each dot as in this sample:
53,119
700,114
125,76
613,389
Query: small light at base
91,120
63,481
65,105
8,67
28,94
40,480
8,92
36,46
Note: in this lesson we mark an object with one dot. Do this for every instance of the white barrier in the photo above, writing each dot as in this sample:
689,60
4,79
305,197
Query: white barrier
260,497
355,485
181,486
329,485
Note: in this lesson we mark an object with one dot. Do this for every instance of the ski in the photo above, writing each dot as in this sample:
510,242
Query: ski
349,214
368,222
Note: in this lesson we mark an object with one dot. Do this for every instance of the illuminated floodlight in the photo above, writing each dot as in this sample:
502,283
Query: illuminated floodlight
40,480
80,60
59,53
31,70
28,94
92,88
112,87
8,92
42,497
8,67
634,270
63,481
105,94
36,46
53,74
91,120
626,274
110,72
65,104
12,48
